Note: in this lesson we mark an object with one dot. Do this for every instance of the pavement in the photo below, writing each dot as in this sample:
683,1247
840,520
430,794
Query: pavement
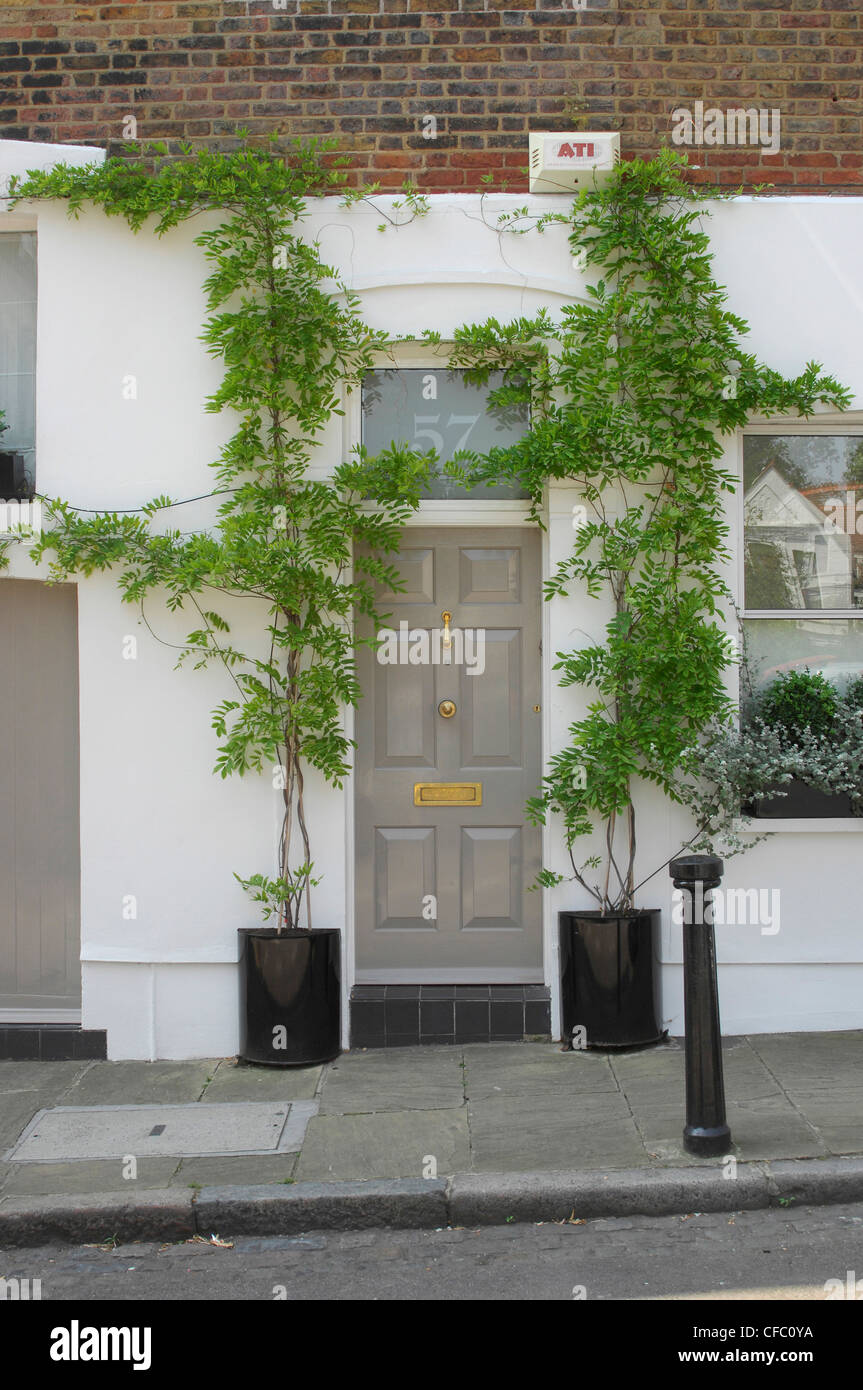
421,1137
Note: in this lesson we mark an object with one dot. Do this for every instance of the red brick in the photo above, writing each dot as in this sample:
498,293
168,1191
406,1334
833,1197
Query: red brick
811,161
842,177
364,70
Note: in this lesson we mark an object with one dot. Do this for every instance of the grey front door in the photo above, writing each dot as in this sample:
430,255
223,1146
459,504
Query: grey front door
449,749
40,931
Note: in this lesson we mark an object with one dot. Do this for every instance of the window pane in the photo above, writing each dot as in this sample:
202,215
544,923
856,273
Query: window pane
803,521
18,344
833,646
433,409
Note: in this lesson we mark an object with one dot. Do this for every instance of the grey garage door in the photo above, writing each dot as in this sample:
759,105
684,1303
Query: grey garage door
40,970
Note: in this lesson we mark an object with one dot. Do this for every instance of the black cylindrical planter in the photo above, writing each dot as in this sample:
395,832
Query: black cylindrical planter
609,980
290,996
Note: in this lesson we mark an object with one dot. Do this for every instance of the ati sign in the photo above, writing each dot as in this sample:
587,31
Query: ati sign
571,159
568,154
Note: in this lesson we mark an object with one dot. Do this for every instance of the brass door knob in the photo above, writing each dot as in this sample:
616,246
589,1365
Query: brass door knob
446,709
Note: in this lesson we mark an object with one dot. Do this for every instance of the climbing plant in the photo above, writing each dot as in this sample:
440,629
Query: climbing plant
631,393
289,335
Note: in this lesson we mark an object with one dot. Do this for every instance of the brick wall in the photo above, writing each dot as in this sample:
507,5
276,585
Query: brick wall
373,72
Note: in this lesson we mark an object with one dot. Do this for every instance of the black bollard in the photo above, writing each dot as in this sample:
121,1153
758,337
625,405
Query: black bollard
706,1131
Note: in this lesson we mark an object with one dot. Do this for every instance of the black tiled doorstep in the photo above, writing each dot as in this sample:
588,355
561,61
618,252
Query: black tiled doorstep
407,1015
504,993
52,1042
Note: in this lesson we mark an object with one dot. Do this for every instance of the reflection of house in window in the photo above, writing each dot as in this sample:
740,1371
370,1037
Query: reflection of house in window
840,506
795,557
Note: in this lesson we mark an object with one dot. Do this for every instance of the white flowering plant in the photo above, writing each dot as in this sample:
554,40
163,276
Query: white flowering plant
800,728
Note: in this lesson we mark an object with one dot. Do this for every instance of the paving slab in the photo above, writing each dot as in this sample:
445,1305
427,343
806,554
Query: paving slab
26,1087
17,1109
40,1076
142,1083
807,1061
241,1081
649,1075
515,1134
404,1078
93,1175
770,1125
837,1116
246,1169
661,1131
158,1130
769,1129
746,1076
515,1070
385,1145
665,1153
653,1079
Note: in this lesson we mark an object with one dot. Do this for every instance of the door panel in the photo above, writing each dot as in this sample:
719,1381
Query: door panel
404,719
404,876
491,878
40,934
416,566
491,731
442,890
490,575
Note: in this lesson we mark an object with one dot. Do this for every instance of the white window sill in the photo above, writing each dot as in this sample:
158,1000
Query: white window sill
814,825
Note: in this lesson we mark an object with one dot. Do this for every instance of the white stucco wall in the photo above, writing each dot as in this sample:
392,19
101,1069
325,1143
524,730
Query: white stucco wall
156,826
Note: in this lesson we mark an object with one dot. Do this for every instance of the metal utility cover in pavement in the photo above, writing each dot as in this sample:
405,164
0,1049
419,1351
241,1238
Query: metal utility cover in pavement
112,1131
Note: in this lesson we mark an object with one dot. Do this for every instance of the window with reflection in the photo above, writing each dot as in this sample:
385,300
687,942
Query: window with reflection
17,363
803,554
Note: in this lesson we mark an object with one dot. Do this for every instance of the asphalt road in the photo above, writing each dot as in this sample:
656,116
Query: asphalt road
763,1255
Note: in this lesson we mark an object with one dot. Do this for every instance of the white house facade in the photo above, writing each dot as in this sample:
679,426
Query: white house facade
118,847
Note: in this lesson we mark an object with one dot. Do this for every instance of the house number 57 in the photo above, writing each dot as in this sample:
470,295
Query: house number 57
435,437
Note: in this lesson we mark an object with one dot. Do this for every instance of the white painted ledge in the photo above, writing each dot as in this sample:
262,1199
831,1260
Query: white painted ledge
159,955
826,825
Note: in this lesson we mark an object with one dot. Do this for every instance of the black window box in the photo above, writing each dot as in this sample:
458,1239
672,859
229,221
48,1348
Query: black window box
800,802
14,483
